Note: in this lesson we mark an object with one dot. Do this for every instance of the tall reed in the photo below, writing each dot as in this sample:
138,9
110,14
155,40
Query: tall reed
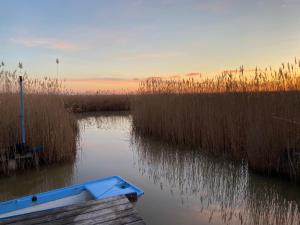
47,122
247,116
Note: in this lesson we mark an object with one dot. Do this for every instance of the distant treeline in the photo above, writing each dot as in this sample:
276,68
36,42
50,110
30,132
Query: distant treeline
97,102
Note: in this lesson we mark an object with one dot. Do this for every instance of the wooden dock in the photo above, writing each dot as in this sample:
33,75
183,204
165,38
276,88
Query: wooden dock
111,211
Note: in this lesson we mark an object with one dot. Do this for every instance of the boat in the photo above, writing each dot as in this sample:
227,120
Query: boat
75,194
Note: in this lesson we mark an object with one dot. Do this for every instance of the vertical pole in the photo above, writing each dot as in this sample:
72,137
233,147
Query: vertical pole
22,111
57,62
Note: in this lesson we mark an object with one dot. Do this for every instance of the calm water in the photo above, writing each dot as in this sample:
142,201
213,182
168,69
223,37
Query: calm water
181,186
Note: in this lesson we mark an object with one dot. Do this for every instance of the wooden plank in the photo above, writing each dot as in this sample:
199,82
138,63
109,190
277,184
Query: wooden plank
106,218
123,220
115,210
90,216
79,214
66,209
140,222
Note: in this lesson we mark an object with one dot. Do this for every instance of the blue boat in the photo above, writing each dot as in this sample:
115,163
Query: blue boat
79,193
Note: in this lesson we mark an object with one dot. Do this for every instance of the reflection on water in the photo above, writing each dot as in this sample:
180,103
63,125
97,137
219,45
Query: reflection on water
182,186
35,181
105,120
223,191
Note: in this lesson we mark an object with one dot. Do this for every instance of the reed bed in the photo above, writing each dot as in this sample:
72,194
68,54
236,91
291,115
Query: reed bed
81,103
47,122
253,116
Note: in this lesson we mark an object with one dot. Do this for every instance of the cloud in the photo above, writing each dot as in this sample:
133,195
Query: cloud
193,74
105,79
32,42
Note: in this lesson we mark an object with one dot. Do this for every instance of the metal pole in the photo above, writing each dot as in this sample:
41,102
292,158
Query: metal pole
22,111
57,62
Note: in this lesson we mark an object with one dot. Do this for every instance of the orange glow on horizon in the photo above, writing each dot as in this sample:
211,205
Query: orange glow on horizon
132,85
115,86
111,86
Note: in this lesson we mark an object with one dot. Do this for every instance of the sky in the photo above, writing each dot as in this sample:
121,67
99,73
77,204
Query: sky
113,44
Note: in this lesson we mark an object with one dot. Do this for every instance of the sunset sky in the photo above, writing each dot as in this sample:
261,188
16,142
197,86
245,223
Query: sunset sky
112,44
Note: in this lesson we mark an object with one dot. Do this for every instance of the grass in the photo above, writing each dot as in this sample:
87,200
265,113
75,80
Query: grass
97,102
47,122
253,117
